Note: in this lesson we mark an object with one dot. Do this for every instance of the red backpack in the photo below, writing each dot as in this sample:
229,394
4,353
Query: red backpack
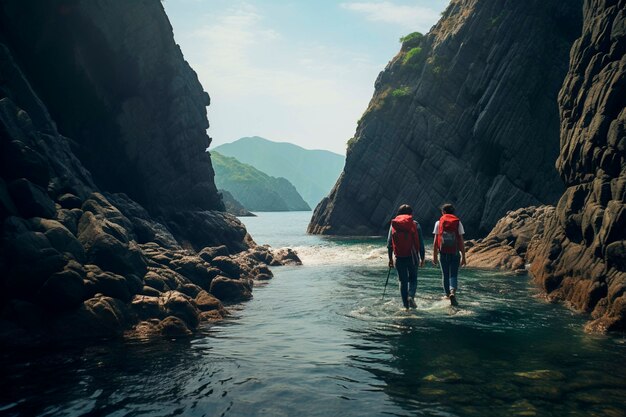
404,238
448,234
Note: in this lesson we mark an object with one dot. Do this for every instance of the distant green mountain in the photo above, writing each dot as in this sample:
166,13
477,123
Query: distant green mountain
313,172
254,189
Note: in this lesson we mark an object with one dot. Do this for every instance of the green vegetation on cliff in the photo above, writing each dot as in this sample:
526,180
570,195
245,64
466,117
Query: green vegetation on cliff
254,189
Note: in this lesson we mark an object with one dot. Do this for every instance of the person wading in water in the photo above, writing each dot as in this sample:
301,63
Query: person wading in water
406,242
449,241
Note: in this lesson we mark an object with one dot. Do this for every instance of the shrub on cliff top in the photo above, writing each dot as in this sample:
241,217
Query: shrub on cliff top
401,92
414,37
412,56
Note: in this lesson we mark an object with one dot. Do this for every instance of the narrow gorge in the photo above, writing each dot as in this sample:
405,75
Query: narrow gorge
495,151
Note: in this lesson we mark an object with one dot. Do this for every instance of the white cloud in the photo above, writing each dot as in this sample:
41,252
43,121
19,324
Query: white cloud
387,12
263,83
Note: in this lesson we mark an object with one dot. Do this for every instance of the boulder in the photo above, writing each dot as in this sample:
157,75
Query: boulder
195,269
207,254
208,302
98,317
69,219
181,306
174,327
60,237
506,245
107,283
107,245
286,256
64,290
226,289
31,260
69,201
227,265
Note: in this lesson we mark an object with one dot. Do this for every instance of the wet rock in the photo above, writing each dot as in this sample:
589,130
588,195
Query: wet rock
443,376
226,289
191,290
207,254
155,281
148,307
69,219
107,245
192,228
181,306
60,237
64,290
107,283
286,256
578,258
174,327
541,374
97,317
228,266
195,270
69,201
262,273
208,302
149,291
145,228
31,200
31,260
506,245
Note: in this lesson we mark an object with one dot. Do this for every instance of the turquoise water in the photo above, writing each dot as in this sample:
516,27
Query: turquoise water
319,340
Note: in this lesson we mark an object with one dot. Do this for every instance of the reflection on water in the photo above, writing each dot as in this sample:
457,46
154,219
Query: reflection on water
319,340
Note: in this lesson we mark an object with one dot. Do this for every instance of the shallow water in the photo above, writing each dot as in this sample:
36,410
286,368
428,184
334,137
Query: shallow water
319,340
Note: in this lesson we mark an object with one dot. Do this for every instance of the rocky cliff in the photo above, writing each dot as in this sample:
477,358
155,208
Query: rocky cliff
581,257
465,114
114,80
96,100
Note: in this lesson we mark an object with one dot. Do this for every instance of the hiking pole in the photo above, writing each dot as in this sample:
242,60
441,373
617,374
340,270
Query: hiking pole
386,282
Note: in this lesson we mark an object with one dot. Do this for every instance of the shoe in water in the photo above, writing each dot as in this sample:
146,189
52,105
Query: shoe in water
453,300
412,302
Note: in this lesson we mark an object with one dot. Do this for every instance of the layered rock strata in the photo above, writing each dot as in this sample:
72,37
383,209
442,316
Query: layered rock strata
466,114
505,247
581,257
78,258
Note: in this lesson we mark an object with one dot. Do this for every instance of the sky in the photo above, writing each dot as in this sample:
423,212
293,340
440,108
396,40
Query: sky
293,71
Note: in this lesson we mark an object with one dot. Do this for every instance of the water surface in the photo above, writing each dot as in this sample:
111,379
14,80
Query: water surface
319,340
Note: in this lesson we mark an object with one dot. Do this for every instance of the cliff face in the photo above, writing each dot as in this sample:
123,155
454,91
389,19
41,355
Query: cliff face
581,258
466,114
114,80
77,257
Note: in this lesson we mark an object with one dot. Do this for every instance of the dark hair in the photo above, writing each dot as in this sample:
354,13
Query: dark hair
447,208
405,209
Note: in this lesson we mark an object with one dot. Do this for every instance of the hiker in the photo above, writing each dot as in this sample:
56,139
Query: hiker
406,242
448,242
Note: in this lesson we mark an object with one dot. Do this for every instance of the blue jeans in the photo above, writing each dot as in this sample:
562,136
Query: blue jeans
449,270
407,275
